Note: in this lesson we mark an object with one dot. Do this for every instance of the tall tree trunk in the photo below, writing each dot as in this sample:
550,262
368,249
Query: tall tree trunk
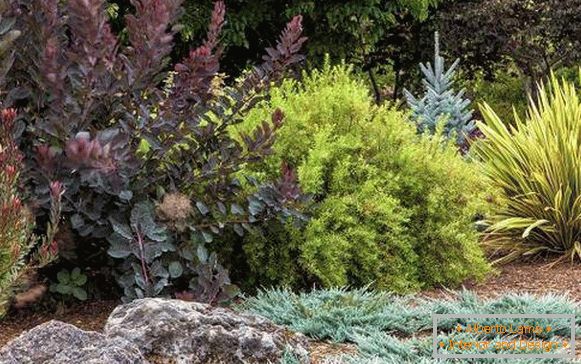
397,81
376,90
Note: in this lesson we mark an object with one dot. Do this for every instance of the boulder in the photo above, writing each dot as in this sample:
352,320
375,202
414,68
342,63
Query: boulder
189,332
56,342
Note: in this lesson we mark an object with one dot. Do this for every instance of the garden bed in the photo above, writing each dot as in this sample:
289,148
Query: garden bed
537,278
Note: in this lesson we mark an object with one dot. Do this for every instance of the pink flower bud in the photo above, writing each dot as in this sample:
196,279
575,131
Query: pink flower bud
56,189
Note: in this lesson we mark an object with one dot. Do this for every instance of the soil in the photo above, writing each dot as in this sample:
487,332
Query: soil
87,316
534,277
523,277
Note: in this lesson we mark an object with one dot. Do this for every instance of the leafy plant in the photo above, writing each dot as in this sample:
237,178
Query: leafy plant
535,165
536,36
342,315
503,92
20,251
392,208
390,329
440,102
70,284
98,118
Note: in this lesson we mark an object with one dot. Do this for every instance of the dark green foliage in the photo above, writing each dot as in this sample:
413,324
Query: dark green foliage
504,92
535,35
392,208
369,34
97,118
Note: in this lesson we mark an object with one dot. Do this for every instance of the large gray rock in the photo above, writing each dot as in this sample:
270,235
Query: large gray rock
189,332
56,342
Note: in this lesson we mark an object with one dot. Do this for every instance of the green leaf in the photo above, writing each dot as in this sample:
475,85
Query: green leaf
80,280
156,233
538,223
255,207
208,238
236,209
202,208
121,229
142,214
77,221
75,273
221,207
126,195
63,289
175,269
202,253
238,229
63,277
118,252
79,293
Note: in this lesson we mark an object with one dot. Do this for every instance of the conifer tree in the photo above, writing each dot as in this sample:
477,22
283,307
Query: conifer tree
440,101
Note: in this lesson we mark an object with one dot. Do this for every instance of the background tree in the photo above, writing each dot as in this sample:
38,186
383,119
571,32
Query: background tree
535,35
370,34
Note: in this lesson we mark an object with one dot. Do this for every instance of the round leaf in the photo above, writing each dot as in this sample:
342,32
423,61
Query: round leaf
175,269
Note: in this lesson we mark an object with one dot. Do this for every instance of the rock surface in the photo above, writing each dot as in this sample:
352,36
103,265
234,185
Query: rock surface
56,342
189,332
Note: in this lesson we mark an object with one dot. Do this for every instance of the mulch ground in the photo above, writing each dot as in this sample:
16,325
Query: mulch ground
535,277
531,277
88,316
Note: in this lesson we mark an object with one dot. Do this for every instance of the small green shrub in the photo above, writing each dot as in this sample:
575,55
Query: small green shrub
391,207
70,284
536,164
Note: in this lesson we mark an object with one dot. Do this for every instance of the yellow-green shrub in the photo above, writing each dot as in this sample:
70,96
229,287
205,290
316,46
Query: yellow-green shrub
536,164
392,207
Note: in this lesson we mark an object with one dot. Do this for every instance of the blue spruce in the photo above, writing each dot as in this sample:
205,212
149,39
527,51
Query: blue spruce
440,101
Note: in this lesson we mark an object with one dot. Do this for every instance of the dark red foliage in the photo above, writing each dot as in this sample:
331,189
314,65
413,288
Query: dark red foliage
98,119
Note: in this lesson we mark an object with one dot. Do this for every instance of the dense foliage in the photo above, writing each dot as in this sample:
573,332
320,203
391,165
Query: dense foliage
392,207
441,103
535,164
368,34
20,251
504,93
392,329
15,222
148,170
534,35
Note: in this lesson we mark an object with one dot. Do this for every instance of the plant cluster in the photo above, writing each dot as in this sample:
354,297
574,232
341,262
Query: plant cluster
391,207
388,329
20,250
98,118
440,103
536,36
535,165
70,284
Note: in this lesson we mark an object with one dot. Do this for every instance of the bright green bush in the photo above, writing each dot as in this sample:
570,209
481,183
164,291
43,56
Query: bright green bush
536,164
392,207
